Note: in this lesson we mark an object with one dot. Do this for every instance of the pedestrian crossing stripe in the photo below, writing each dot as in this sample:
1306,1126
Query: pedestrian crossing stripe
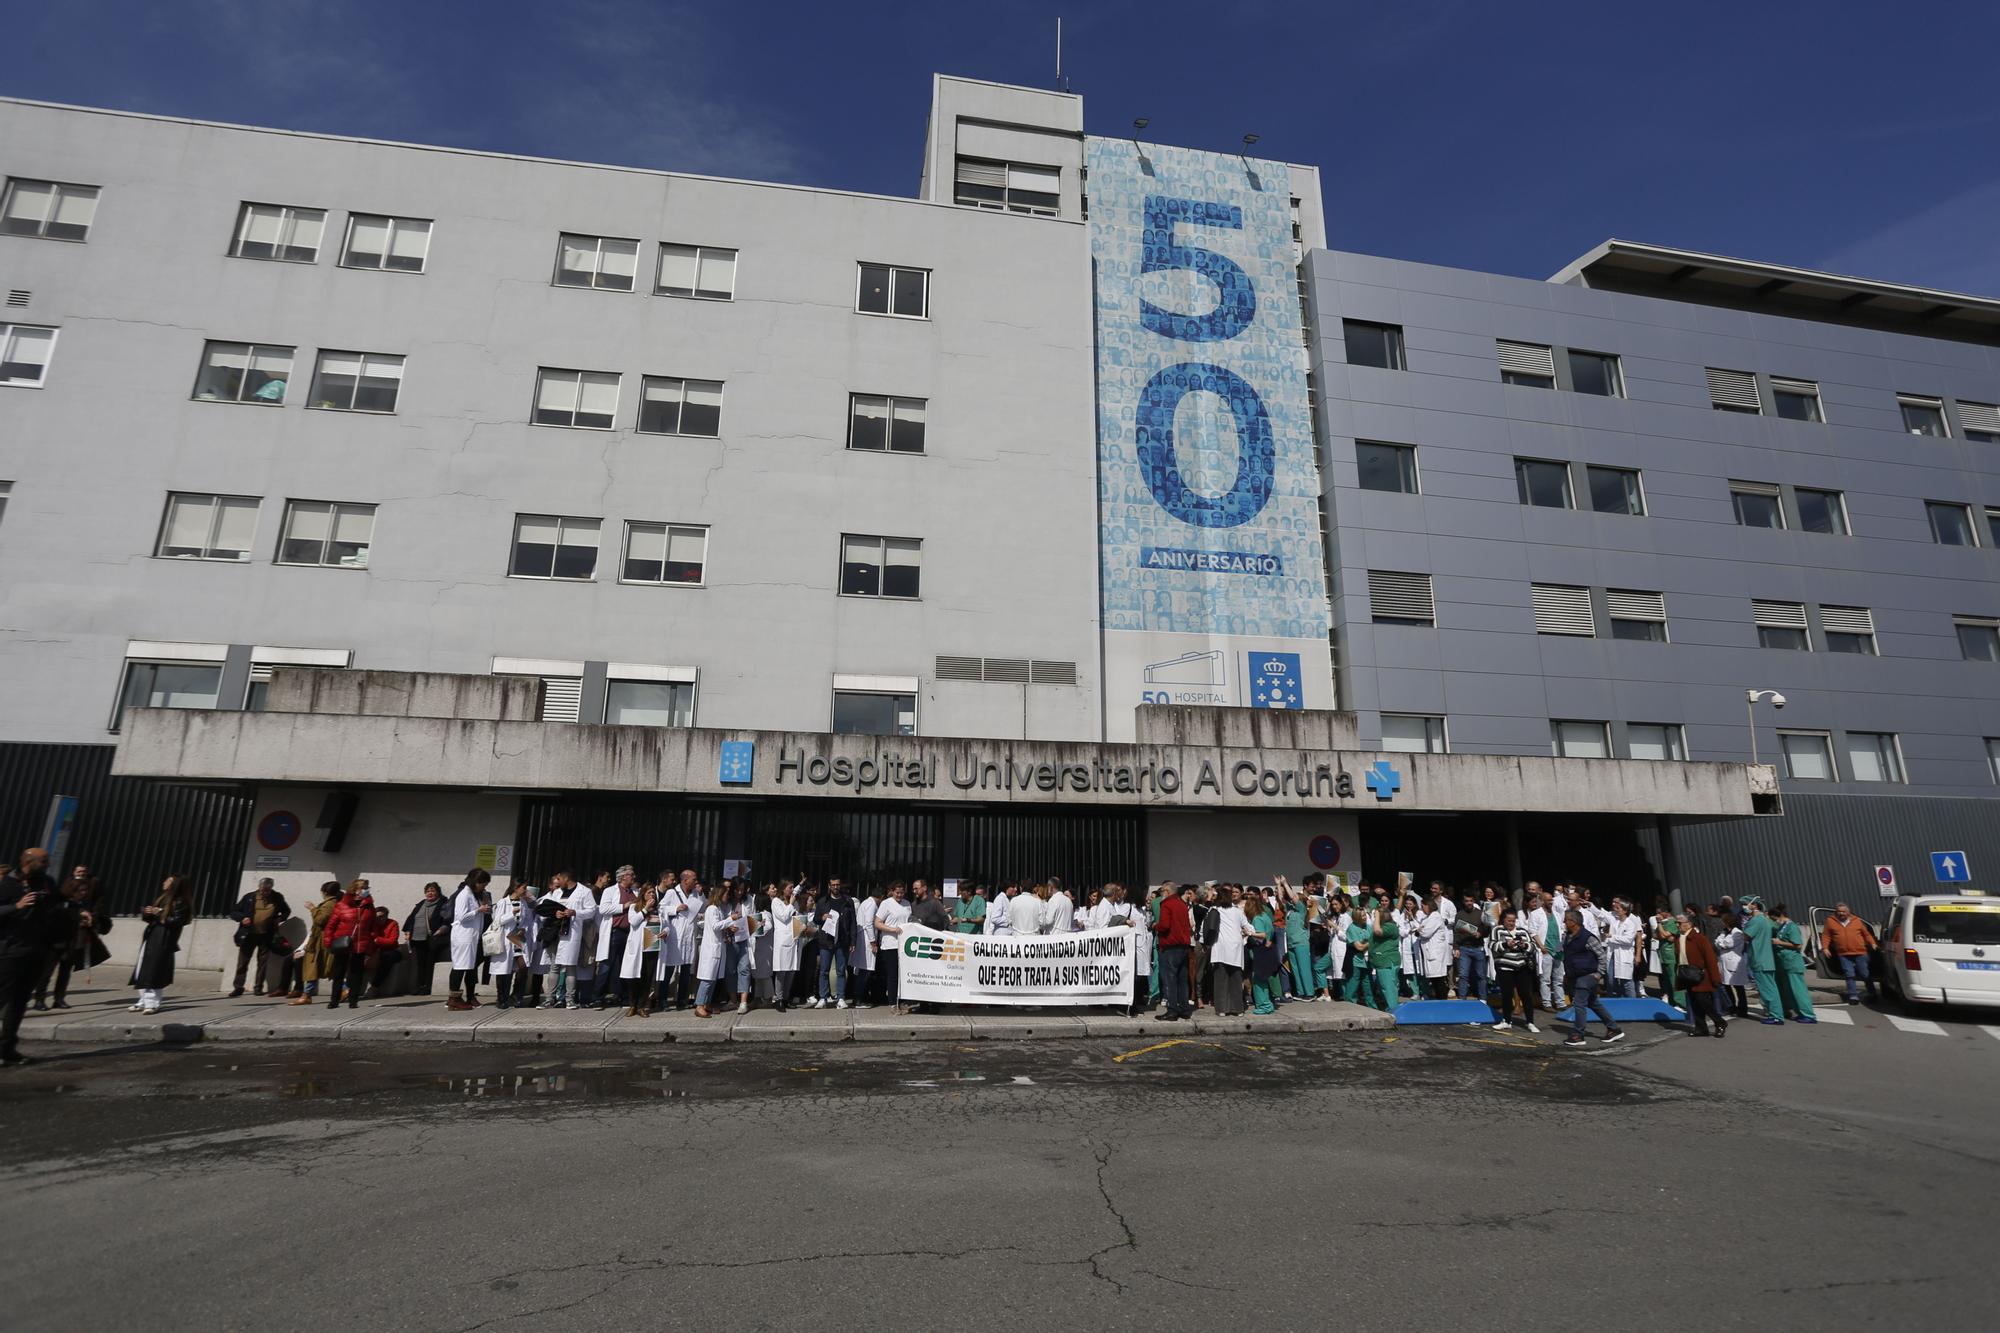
1992,1032
1839,1017
1922,1025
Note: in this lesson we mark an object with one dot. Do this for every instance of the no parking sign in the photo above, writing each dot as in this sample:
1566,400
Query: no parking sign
1885,880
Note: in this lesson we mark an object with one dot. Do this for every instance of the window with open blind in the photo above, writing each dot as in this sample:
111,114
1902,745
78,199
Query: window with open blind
1563,609
1733,391
1529,364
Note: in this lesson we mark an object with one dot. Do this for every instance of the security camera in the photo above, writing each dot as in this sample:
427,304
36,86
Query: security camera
1777,701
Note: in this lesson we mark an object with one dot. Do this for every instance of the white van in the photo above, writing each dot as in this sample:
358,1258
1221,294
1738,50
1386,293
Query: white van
1943,948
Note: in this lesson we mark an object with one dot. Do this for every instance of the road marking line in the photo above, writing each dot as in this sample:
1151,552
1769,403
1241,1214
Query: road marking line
1163,1045
1839,1016
1919,1025
1992,1032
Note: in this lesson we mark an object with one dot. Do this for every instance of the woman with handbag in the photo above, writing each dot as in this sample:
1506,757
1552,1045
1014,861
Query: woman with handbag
468,931
165,916
342,938
639,956
1699,975
505,944
315,959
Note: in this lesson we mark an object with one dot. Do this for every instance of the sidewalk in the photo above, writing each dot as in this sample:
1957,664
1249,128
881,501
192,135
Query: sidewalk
105,1016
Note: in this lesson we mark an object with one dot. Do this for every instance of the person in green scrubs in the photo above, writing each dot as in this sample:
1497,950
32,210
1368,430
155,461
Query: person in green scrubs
1355,931
1667,957
1385,959
1322,964
1297,941
1789,943
1267,977
1763,966
968,910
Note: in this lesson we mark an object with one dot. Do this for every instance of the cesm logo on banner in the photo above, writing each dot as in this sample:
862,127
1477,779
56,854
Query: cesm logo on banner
1085,967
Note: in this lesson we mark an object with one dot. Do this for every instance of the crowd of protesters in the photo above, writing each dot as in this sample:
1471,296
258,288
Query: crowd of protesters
670,942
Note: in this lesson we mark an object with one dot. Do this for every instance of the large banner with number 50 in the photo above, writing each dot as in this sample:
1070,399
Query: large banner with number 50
1214,577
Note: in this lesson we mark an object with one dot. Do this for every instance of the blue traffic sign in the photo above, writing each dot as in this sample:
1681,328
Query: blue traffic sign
1950,868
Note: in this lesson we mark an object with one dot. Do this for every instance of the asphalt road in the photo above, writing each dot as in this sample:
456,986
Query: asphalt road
1833,1178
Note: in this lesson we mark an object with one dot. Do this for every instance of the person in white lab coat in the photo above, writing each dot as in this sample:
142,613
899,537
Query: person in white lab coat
1621,942
614,900
1142,956
861,959
1226,956
468,922
1433,949
1000,912
639,960
680,908
1059,912
509,967
1546,927
723,932
576,915
892,913
785,925
1406,916
1095,913
1732,956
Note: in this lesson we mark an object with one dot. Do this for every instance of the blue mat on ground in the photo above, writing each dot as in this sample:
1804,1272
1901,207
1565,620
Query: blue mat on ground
1624,1009
1411,1013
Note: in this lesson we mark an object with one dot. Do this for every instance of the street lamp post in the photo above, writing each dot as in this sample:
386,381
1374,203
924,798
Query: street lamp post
1750,698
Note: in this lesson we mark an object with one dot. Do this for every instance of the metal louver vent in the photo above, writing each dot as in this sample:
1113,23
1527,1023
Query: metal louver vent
17,299
1624,604
562,698
1734,388
1847,619
1526,358
1395,595
1006,670
261,671
1778,615
1561,609
1980,416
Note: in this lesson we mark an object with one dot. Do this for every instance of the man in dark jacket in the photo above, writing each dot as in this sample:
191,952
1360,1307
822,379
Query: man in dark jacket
29,918
258,915
1583,963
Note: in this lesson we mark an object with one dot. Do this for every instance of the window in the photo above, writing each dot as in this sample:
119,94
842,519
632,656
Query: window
1543,483
1378,345
879,566
1993,526
1796,400
1655,740
53,210
705,271
322,532
399,245
1808,755
25,352
1872,756
1849,629
1733,391
587,399
549,547
1981,421
649,703
357,381
888,290
1615,490
1993,756
1412,733
1638,616
880,423
1398,598
1014,186
678,407
1595,372
664,553
278,231
856,712
243,373
1386,467
168,685
560,698
1978,637
1757,504
265,660
1562,609
596,261
1529,365
207,527
1923,416
1780,624
1822,511
1580,740
1951,524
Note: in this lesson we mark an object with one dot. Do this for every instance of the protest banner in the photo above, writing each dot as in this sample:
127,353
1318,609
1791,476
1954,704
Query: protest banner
1085,967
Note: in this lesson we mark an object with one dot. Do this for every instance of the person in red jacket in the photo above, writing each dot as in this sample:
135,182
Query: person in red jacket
381,947
1175,933
348,926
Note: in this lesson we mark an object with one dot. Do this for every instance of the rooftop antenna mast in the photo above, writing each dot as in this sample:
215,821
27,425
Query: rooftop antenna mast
1062,84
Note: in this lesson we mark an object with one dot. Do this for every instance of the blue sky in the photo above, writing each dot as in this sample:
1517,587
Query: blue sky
1852,136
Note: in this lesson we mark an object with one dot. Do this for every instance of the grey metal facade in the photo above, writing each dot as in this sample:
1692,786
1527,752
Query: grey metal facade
1499,683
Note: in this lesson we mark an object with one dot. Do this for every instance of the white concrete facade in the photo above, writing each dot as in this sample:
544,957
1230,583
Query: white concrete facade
1002,498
